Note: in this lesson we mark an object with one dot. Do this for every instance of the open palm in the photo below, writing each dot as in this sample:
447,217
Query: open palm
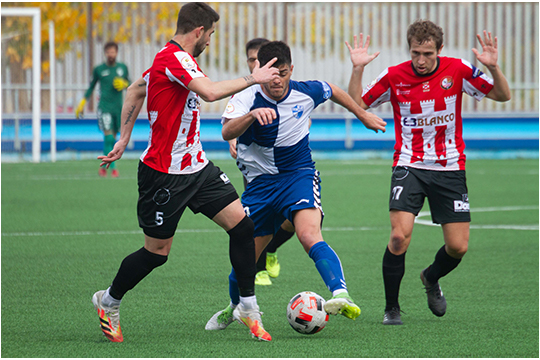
359,54
489,54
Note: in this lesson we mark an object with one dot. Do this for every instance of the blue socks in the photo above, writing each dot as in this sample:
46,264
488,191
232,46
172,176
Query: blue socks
326,261
234,292
328,265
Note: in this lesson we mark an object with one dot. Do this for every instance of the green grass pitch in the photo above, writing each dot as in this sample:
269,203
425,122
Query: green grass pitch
65,232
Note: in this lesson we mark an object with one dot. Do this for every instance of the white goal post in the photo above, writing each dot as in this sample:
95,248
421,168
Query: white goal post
35,13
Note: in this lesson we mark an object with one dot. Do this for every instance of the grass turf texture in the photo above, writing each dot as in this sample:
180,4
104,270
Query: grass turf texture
65,232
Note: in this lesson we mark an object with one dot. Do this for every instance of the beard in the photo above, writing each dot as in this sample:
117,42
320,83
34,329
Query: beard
199,48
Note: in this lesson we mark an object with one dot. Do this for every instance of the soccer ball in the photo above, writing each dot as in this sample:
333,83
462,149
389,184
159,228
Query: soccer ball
306,314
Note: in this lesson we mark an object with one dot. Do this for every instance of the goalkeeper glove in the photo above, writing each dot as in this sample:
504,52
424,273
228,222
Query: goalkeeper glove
120,83
80,108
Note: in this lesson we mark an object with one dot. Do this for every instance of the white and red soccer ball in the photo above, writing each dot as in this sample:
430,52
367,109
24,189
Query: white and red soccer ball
306,314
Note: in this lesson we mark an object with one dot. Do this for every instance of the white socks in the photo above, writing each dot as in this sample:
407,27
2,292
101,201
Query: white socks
249,302
108,301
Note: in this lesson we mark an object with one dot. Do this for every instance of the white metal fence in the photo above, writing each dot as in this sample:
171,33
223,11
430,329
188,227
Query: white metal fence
316,33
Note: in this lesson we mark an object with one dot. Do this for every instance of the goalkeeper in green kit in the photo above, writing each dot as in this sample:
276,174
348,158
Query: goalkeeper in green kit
113,79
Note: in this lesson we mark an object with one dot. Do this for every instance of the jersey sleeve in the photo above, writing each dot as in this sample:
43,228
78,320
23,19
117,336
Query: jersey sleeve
93,82
378,92
319,91
126,74
239,105
475,82
183,68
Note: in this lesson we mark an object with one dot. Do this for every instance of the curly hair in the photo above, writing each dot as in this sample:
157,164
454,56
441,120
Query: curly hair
423,31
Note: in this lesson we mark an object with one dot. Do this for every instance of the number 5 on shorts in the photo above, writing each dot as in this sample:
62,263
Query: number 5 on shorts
396,192
159,218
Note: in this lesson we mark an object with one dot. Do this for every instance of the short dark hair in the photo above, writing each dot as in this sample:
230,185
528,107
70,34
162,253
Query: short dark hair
195,14
275,49
423,31
255,44
110,44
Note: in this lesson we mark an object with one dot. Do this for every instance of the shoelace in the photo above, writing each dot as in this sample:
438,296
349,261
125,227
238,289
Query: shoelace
224,317
396,311
434,289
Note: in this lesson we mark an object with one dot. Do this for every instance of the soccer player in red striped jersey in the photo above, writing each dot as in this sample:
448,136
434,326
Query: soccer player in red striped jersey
174,172
429,160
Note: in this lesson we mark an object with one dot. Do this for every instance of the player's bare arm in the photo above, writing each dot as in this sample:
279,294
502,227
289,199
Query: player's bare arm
233,128
232,148
359,58
370,121
489,57
211,91
135,95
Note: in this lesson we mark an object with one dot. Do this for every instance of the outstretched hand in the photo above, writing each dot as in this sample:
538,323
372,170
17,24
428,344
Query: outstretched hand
115,154
373,122
489,54
359,54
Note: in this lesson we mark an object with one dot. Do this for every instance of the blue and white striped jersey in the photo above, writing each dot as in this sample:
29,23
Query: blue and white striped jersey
283,145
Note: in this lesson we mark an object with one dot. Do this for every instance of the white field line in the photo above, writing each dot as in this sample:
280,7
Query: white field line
336,229
178,231
487,209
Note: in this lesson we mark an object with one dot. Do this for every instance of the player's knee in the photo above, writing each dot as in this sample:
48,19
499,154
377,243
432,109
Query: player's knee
458,251
398,243
243,230
308,238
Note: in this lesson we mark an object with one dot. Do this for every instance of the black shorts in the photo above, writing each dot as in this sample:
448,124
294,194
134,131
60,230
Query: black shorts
446,192
164,197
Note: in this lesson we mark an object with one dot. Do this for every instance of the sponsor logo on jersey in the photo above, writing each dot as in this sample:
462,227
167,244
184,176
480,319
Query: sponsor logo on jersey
193,103
188,63
105,73
425,86
403,92
447,82
372,84
462,205
297,111
402,85
429,121
230,108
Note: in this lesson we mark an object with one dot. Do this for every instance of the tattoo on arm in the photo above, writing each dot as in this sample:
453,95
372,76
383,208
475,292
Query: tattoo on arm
130,114
249,79
142,83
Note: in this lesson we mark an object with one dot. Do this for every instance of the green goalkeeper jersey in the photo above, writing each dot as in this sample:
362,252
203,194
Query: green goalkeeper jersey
110,99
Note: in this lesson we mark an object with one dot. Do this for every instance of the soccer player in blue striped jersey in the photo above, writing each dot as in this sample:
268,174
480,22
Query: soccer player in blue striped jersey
271,123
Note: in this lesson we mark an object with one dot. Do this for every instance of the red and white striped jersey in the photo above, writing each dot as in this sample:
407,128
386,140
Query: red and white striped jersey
427,111
174,145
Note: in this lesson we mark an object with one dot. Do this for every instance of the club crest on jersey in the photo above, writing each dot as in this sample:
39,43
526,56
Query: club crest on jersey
119,71
297,111
230,108
447,82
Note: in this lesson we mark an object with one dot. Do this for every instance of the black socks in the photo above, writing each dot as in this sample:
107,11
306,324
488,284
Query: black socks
280,237
242,254
393,271
442,265
133,269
